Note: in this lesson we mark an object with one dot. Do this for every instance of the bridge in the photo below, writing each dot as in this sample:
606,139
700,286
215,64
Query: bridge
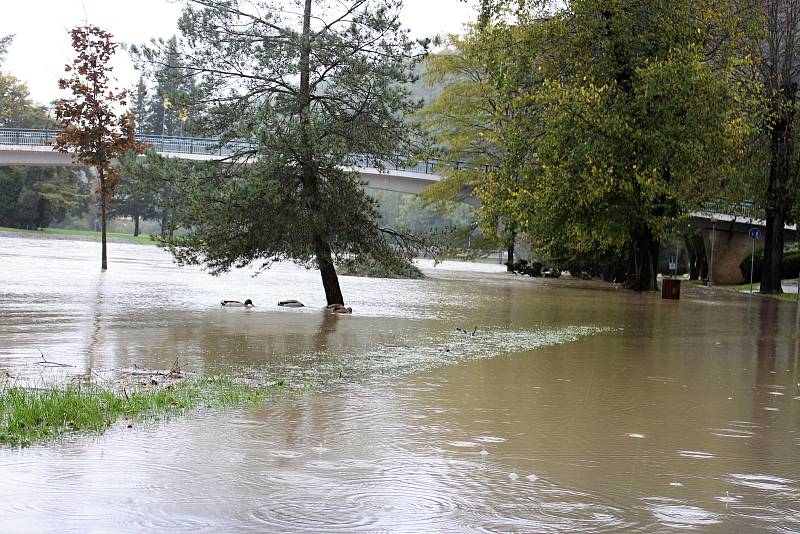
724,227
35,147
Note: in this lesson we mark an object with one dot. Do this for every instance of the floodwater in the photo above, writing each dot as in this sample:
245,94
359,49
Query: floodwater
574,407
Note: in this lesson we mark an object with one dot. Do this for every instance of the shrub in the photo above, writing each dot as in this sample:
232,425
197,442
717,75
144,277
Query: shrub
790,267
390,267
522,267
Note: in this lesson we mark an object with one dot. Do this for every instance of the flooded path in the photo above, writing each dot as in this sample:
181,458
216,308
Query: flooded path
574,408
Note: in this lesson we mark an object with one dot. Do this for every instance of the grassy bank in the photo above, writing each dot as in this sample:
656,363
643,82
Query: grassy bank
30,415
791,297
142,239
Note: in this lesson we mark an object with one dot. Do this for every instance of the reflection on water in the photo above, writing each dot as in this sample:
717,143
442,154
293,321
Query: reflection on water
573,408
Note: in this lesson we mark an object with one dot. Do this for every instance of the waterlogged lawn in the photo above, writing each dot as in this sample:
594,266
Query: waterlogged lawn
143,239
757,286
30,415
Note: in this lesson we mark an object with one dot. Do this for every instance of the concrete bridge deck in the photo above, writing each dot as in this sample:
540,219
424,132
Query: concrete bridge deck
35,147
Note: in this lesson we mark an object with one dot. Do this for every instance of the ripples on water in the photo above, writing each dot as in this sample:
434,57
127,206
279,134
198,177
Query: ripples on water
573,408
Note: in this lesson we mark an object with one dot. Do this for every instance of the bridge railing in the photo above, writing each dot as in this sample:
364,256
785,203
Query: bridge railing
198,146
745,209
25,137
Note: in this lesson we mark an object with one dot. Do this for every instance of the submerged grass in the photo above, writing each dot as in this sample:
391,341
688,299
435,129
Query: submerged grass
791,296
31,415
143,239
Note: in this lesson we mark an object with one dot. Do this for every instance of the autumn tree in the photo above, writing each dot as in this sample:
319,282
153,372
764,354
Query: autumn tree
298,94
95,129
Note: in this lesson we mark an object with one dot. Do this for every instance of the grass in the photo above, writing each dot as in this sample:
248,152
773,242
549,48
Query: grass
28,416
790,297
143,239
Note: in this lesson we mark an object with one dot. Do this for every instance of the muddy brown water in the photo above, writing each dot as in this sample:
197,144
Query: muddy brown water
574,408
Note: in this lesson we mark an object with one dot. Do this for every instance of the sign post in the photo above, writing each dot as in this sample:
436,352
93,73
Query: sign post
711,263
754,234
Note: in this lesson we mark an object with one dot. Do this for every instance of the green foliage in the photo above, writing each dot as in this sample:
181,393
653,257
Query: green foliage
626,116
168,108
450,227
398,210
394,266
523,267
606,264
5,42
464,121
303,99
35,197
774,153
790,266
146,190
16,108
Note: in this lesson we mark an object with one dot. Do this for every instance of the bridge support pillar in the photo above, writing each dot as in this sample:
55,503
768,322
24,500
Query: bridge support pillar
730,248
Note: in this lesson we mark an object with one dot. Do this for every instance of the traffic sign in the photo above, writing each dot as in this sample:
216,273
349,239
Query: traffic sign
754,233
673,263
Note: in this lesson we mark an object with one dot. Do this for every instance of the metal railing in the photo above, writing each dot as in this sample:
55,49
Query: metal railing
745,209
198,146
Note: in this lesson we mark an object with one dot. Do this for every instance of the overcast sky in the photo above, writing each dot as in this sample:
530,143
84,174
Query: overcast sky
41,46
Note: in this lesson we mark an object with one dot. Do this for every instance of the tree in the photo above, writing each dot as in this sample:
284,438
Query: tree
16,108
304,99
35,197
464,119
630,120
776,50
92,130
136,196
147,189
5,42
167,109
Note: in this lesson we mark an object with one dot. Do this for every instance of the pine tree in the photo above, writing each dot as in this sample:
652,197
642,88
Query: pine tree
304,96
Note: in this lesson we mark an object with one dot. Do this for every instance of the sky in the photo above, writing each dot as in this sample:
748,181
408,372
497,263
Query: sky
41,44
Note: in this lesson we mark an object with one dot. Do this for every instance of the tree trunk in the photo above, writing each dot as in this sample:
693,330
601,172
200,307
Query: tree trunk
103,216
330,280
136,226
164,221
778,200
773,249
695,248
644,259
512,238
703,266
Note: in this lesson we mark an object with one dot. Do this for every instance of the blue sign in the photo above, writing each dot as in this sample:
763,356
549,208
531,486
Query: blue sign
754,233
